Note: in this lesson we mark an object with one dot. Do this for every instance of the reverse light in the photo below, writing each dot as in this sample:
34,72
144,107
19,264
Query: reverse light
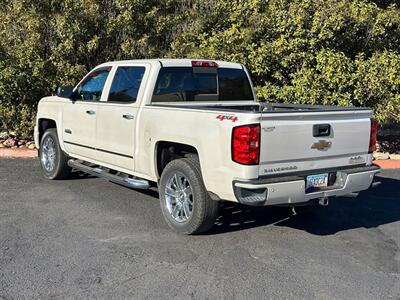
204,63
246,144
372,137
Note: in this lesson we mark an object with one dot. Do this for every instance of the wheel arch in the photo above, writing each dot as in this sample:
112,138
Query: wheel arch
47,123
166,151
44,124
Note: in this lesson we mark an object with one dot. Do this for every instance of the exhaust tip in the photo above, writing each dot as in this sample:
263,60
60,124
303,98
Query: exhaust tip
323,201
376,184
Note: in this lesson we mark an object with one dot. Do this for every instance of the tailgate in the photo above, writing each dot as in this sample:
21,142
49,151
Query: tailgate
301,141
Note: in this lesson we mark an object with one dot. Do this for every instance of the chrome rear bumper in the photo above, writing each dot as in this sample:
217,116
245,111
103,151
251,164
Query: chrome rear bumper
291,189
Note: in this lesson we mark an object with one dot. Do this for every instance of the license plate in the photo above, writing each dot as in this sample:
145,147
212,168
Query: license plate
316,181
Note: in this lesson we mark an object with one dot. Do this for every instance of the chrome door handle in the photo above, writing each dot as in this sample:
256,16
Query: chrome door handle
90,112
128,116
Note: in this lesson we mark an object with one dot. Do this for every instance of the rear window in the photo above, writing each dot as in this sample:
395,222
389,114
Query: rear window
176,84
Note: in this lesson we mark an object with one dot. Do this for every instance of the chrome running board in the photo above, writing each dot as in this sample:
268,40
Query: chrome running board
121,178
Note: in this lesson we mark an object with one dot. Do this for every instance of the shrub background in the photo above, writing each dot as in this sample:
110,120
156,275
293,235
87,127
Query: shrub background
338,52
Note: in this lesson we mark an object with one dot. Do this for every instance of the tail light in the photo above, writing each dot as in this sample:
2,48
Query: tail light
372,137
246,144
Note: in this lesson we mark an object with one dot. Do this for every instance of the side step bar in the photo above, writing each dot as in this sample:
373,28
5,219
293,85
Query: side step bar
123,180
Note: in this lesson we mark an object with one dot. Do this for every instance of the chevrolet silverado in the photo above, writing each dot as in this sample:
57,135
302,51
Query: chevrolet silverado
194,129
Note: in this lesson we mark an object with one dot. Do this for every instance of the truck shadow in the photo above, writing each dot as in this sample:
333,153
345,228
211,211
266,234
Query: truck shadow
80,175
370,209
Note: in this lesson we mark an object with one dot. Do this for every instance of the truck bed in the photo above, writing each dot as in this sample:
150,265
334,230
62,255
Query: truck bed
290,134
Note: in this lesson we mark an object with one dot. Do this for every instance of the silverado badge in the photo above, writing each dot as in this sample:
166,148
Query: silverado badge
321,145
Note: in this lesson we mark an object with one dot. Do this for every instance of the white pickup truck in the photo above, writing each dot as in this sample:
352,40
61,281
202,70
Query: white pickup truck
194,129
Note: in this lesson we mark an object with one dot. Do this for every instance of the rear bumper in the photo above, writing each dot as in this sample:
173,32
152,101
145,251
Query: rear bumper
291,189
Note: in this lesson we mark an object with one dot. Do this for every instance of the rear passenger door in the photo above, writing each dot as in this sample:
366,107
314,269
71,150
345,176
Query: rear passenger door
117,116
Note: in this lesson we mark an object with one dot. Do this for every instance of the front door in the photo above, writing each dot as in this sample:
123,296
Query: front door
80,116
116,117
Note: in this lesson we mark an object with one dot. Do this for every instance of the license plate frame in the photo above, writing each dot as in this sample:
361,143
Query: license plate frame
317,181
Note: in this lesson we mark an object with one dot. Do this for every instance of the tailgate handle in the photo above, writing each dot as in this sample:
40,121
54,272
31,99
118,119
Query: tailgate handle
321,130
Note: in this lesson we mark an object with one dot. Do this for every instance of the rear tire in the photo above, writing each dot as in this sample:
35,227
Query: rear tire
185,203
53,160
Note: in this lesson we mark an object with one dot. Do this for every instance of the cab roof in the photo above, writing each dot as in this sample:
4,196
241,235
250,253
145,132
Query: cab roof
175,62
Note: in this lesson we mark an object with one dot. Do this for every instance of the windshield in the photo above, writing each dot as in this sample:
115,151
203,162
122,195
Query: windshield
175,84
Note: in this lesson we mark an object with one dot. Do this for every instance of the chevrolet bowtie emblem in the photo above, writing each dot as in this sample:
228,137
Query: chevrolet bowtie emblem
321,145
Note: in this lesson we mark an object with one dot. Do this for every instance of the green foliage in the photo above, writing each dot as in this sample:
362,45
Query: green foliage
17,120
339,52
320,52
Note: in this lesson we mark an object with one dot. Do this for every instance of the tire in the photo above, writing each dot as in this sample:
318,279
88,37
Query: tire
53,160
191,211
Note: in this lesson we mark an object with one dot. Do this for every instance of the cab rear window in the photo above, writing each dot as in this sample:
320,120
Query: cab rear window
175,84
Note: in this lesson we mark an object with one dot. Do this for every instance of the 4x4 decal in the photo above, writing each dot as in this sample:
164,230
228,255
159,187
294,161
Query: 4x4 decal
227,117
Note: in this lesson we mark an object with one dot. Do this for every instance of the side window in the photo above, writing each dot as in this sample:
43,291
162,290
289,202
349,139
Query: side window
92,87
126,84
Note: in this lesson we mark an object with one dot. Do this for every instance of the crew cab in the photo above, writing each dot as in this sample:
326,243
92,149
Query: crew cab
195,129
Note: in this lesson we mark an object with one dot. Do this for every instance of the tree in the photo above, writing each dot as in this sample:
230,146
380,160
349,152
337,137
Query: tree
339,52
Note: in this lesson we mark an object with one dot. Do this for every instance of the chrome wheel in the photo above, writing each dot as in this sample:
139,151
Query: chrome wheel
179,197
48,154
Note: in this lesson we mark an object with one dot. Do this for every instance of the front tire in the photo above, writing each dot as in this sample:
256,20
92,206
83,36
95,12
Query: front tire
53,160
185,203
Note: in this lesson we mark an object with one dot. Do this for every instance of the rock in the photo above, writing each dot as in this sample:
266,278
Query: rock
32,147
21,142
395,156
10,142
2,146
381,155
21,146
29,143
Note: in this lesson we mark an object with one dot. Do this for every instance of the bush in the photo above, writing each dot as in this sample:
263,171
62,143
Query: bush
339,52
17,120
318,52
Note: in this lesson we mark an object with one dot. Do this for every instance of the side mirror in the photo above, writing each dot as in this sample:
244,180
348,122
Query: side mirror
65,92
